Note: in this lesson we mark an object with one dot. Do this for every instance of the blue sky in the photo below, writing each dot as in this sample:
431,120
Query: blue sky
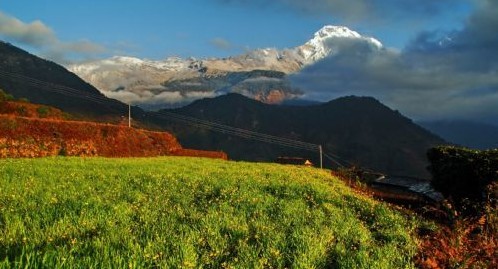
440,59
157,29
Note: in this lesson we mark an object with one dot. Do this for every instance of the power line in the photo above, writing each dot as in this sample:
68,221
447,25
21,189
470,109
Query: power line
333,160
175,116
60,89
206,124
238,131
210,125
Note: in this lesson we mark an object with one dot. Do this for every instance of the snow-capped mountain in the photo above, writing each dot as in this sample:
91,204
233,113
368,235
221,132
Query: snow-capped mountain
319,46
176,81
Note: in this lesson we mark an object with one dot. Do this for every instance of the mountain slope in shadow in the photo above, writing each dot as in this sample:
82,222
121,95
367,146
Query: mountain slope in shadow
359,130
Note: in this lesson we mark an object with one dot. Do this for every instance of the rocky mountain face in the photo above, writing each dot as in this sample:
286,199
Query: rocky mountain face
359,130
258,74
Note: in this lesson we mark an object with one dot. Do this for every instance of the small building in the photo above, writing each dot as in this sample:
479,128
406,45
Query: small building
294,161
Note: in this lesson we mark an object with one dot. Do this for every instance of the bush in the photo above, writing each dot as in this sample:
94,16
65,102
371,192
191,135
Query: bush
43,111
461,173
5,96
22,111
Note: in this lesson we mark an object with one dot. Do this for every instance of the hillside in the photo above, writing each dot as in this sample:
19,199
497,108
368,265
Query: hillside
360,130
30,137
44,82
31,130
173,212
25,109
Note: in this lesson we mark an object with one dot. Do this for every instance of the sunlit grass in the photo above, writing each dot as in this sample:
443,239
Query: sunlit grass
175,212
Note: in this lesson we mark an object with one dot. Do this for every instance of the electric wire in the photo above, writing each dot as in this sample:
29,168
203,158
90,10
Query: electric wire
192,121
239,131
333,160
169,115
60,89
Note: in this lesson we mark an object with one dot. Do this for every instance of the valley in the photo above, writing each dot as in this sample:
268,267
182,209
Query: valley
259,74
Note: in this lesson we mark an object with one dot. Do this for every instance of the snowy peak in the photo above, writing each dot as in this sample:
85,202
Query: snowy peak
330,31
126,60
319,47
335,31
178,80
167,64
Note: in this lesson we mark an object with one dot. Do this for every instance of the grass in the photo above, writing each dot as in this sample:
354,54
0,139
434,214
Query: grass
179,212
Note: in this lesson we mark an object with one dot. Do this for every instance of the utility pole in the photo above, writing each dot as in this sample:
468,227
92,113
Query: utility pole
129,116
321,156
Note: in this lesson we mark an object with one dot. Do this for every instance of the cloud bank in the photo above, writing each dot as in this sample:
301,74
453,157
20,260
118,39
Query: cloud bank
158,98
437,75
41,37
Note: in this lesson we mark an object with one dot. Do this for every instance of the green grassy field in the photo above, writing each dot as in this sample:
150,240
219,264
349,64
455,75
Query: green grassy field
174,212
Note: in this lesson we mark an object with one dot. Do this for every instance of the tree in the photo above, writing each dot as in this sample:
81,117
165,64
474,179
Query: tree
464,174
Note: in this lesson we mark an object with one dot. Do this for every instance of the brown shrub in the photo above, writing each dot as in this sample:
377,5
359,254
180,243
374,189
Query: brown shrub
22,109
471,243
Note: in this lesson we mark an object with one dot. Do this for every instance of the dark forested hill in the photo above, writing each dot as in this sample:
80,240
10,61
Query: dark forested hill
24,75
360,130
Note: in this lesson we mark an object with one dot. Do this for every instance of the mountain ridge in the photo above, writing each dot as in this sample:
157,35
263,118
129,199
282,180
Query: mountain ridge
147,82
361,130
44,82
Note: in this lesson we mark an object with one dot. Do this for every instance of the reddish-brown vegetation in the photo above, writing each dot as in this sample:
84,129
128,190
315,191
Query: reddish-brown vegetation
468,243
455,241
30,130
30,137
24,109
468,236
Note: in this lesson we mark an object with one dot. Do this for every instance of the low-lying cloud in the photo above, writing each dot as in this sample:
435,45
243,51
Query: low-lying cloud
151,99
438,75
41,37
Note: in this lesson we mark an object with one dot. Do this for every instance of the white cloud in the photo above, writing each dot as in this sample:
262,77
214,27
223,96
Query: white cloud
35,34
41,37
429,79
